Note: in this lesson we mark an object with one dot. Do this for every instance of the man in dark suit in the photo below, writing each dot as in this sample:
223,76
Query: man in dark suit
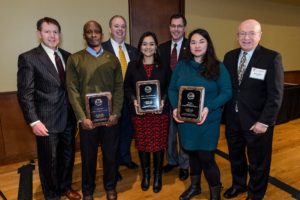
257,80
43,98
117,46
178,44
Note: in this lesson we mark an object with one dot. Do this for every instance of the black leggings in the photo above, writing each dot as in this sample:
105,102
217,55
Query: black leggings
205,160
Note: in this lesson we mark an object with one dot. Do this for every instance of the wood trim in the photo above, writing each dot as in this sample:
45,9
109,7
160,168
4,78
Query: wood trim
292,77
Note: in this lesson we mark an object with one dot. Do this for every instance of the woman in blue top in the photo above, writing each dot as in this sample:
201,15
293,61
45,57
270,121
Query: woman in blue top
201,68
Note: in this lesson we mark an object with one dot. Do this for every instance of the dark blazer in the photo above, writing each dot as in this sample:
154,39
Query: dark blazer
40,93
132,51
136,72
165,51
258,100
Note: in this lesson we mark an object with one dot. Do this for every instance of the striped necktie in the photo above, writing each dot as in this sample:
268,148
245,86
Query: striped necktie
122,60
173,60
242,67
60,68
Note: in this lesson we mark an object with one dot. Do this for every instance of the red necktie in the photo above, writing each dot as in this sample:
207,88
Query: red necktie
173,60
60,68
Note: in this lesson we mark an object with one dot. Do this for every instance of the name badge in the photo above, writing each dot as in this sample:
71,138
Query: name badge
257,73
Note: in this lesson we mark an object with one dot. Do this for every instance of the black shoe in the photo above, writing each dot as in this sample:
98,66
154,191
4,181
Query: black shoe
167,168
192,191
183,174
233,192
130,165
119,176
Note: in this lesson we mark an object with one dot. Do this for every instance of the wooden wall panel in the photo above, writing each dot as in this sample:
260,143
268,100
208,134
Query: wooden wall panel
152,15
292,77
16,139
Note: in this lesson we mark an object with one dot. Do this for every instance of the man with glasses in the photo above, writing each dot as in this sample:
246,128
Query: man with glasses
171,52
257,80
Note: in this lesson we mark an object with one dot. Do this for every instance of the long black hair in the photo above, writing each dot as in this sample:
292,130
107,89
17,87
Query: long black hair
211,63
156,54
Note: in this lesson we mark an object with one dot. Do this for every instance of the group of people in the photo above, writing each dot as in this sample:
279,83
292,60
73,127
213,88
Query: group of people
247,88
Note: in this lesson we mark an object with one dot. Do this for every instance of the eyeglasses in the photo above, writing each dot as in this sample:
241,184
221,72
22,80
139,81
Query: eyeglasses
176,26
250,34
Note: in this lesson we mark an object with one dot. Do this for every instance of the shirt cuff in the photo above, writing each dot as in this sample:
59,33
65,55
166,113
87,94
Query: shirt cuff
34,123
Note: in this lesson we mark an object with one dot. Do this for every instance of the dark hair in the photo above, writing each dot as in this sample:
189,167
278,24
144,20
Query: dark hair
210,61
92,21
48,20
116,16
178,16
141,56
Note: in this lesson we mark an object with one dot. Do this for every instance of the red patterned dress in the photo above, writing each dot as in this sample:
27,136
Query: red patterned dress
151,130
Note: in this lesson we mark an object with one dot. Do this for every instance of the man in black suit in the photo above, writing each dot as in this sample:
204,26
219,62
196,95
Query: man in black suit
175,156
257,81
43,98
117,29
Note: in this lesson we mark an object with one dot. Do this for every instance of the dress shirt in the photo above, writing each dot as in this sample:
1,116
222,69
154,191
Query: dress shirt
178,47
116,45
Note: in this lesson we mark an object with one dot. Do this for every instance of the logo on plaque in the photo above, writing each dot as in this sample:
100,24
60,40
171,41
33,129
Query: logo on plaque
190,103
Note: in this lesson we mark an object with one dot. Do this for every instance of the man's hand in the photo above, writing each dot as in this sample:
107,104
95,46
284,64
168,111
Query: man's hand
39,129
87,124
113,120
259,128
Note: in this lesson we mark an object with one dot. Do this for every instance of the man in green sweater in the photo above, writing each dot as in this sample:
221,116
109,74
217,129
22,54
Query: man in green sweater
94,70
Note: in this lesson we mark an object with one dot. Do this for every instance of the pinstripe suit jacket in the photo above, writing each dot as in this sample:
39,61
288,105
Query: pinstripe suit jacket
40,93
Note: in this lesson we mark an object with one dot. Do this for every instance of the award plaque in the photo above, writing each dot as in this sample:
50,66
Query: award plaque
98,107
148,96
190,103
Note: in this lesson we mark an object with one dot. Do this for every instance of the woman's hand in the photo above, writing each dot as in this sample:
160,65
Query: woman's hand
203,114
161,107
175,116
136,106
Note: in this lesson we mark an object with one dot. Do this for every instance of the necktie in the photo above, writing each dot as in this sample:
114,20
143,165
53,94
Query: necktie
122,60
242,67
60,68
173,60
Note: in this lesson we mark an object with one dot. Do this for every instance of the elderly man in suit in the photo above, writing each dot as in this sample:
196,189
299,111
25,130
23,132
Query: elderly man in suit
43,99
125,53
171,52
257,80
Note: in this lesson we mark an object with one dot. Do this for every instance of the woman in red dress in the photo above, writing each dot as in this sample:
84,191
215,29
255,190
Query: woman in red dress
151,129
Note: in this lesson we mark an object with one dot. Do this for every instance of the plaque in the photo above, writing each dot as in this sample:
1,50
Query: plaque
148,96
190,103
98,107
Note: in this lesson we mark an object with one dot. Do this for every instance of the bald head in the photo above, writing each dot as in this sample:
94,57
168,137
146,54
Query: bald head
89,23
249,34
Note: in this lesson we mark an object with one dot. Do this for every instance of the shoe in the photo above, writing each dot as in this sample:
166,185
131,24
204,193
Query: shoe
88,197
168,167
183,174
119,176
72,195
130,165
233,192
193,190
215,192
111,195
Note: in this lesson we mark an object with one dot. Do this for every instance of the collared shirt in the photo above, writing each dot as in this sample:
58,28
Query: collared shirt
50,53
178,47
95,53
248,57
116,45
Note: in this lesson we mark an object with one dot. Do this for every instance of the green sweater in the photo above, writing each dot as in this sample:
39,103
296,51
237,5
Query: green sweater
88,74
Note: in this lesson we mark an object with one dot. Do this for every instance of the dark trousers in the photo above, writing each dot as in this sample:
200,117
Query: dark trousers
259,150
108,138
205,160
126,132
56,154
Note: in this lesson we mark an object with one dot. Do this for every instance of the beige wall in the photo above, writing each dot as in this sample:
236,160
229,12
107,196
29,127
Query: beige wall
280,22
18,31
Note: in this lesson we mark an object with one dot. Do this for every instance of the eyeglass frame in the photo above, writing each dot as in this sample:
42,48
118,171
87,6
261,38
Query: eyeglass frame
250,34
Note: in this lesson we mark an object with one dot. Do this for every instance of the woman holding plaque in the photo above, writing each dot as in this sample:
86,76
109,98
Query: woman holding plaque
151,127
201,68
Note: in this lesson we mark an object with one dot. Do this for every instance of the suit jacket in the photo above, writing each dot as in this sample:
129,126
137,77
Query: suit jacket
136,72
165,51
257,100
132,51
40,93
